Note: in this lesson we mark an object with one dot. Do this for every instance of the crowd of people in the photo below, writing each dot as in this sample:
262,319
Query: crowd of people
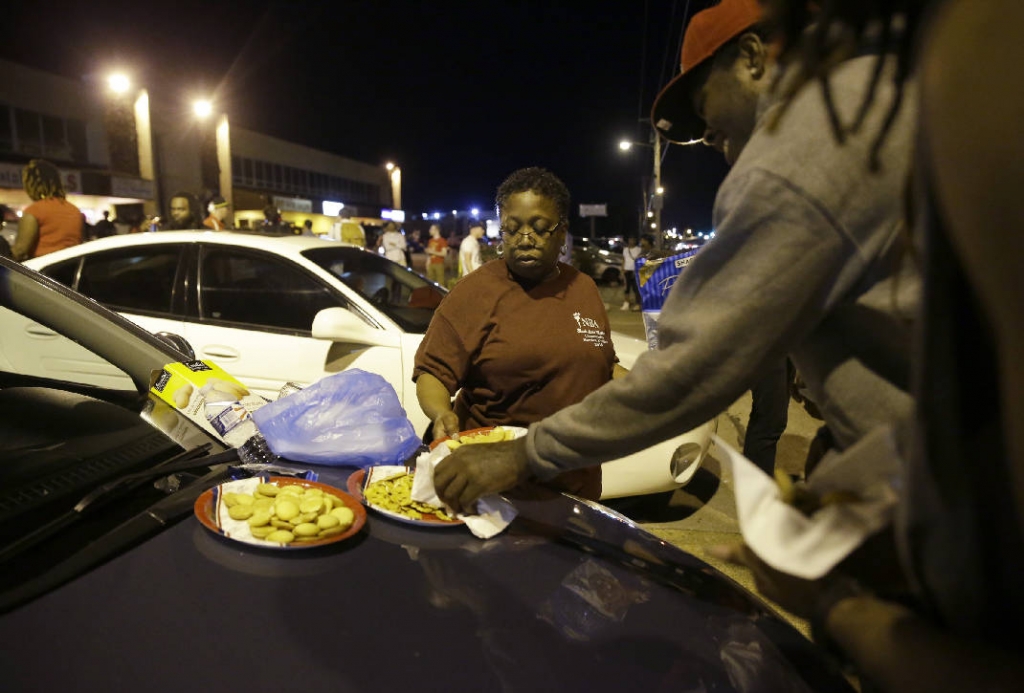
864,235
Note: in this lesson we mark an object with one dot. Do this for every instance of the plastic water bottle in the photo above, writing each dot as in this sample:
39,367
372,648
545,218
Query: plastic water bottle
235,425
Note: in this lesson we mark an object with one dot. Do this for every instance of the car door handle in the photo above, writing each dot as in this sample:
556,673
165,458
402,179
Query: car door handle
221,352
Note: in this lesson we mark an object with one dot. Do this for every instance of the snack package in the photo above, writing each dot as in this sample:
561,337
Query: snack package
207,395
655,278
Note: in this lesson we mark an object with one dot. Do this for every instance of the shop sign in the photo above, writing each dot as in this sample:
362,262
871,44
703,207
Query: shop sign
134,188
10,177
293,204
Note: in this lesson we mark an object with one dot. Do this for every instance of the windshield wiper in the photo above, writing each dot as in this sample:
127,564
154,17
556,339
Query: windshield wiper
114,542
104,493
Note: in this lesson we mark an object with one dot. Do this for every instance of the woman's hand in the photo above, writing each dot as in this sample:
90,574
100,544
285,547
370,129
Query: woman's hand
446,425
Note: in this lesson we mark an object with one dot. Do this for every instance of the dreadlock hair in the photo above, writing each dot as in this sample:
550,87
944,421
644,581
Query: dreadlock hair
41,180
537,180
839,28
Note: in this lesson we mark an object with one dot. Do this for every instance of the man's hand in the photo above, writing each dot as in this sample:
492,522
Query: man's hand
472,471
793,594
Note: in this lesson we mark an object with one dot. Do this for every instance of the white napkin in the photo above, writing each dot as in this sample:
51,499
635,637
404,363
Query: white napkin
494,513
237,529
809,547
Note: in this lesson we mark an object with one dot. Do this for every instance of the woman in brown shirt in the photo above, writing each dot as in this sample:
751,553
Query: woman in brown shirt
524,335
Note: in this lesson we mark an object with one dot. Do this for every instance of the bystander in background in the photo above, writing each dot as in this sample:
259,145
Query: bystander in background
51,222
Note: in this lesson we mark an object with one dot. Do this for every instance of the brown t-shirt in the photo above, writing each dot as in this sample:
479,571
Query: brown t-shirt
517,356
60,224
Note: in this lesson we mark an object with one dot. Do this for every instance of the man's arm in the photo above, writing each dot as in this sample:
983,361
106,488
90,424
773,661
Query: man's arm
747,298
898,651
27,238
887,643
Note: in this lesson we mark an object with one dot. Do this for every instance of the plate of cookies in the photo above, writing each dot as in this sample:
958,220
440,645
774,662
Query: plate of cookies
280,512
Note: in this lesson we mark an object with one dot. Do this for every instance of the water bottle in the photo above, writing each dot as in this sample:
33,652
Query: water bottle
235,425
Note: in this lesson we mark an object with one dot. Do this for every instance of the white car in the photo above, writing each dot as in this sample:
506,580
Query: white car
277,309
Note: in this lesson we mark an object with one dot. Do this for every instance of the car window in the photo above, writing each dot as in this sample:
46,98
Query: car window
132,279
239,286
406,297
63,272
31,349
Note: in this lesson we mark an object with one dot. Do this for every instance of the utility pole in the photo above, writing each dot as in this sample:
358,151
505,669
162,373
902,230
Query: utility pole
656,201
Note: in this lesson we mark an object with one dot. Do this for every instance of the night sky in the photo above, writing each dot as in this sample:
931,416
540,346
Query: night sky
459,94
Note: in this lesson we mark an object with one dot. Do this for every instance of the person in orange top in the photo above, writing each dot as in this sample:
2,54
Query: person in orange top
218,215
437,249
51,222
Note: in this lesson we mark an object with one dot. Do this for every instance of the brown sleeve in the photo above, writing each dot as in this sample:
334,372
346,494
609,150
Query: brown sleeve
442,354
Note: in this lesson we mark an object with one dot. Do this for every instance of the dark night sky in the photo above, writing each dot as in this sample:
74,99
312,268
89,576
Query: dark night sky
457,93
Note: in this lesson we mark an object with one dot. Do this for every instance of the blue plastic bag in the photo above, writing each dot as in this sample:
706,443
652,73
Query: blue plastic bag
352,418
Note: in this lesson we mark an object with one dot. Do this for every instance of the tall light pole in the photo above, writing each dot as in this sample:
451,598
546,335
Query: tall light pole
654,198
395,174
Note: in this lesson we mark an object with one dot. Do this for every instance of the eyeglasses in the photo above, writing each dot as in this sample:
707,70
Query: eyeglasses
537,229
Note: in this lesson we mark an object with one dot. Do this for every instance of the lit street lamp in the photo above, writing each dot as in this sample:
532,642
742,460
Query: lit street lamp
654,201
396,184
202,108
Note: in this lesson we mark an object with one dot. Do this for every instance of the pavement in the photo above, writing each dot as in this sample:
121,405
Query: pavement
703,513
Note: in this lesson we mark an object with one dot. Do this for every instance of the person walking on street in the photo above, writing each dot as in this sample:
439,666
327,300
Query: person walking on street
104,227
469,250
393,243
437,251
218,218
629,255
51,222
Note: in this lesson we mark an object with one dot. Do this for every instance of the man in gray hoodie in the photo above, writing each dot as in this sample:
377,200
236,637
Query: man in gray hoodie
807,261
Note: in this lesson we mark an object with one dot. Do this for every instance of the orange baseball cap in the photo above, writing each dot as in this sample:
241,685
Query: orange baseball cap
672,114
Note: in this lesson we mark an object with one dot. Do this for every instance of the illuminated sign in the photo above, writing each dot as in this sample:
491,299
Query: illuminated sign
393,214
333,209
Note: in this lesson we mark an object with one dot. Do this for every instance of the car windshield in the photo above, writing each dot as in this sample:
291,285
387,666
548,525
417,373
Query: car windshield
404,296
72,419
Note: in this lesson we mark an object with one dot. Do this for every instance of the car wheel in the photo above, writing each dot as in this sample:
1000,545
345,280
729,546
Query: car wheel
611,276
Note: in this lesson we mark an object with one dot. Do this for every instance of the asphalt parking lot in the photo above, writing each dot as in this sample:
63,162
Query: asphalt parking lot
703,513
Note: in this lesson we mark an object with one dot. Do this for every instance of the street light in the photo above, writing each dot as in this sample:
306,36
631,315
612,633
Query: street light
119,83
395,174
654,202
202,108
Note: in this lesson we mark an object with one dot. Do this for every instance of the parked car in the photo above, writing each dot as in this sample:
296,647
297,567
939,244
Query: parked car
274,309
604,265
108,580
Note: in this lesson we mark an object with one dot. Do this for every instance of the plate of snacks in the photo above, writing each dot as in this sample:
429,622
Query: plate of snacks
387,490
279,512
488,434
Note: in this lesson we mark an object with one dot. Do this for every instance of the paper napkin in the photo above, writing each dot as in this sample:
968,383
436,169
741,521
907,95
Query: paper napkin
810,546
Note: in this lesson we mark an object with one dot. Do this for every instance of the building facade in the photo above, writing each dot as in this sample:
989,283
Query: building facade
128,155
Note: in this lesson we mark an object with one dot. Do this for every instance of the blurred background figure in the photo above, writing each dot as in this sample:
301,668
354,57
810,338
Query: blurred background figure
218,219
469,249
307,228
437,251
104,227
185,212
393,243
51,222
629,255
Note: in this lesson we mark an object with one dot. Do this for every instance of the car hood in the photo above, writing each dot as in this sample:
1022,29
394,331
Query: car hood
399,606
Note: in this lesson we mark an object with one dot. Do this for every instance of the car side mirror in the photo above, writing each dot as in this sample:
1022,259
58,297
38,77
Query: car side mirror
342,325
179,343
